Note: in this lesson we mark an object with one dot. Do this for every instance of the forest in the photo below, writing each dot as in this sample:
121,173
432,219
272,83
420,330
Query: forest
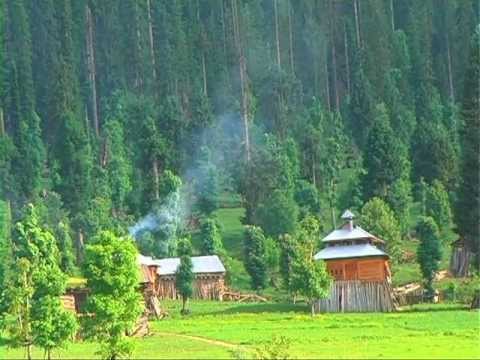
156,119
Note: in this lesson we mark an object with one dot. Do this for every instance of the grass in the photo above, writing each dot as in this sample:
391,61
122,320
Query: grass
422,331
425,331
230,220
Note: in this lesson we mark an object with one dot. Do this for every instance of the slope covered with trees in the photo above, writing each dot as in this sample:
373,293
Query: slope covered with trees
301,107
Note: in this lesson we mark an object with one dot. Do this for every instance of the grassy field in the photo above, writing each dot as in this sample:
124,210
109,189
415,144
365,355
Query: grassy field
216,330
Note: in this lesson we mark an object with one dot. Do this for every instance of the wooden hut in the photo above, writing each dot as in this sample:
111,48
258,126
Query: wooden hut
209,283
359,268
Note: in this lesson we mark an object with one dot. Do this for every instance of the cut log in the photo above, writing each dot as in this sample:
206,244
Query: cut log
476,300
460,261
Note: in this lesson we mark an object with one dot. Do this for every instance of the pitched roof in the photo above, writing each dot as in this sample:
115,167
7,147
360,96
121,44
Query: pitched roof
201,264
348,234
348,251
347,215
146,260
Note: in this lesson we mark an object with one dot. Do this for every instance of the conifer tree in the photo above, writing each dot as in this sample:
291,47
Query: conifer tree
28,164
379,219
72,147
438,207
467,207
255,261
385,158
211,237
429,252
184,274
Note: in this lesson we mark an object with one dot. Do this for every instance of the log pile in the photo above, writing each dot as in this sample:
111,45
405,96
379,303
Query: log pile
239,297
358,296
68,302
409,294
141,327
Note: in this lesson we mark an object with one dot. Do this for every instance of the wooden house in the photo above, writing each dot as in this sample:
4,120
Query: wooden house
359,268
209,283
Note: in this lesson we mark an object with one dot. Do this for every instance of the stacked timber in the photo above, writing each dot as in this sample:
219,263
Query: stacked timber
409,294
68,302
240,297
358,296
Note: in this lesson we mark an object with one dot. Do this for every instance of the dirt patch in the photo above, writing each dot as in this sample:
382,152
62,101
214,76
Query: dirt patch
199,338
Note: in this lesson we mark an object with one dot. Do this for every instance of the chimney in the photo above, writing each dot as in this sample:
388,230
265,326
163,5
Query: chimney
348,217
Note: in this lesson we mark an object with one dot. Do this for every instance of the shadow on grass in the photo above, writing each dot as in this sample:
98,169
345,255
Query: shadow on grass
257,308
434,308
3,341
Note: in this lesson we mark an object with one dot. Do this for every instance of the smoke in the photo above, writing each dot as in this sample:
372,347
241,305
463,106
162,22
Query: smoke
161,226
148,223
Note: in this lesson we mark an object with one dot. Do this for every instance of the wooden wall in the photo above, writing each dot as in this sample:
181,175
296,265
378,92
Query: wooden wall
205,287
366,269
358,296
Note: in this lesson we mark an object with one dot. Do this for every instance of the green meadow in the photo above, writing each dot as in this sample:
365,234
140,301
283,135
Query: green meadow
229,330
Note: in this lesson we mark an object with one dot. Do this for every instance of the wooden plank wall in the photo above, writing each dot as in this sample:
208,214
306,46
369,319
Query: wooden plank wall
358,269
358,296
205,287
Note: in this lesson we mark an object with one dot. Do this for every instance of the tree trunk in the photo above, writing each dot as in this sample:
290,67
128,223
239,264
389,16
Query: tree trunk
327,81
347,59
243,77
449,63
314,172
356,9
2,123
224,31
204,72
104,157
290,37
277,38
184,303
150,35
49,354
392,15
312,308
156,178
91,68
80,245
334,55
332,213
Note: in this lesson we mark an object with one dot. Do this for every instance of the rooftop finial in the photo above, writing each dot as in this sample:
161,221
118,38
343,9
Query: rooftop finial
348,215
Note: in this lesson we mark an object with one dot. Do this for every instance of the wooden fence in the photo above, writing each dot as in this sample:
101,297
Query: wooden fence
358,296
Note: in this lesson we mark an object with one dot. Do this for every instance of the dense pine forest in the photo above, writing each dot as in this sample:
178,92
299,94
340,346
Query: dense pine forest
147,116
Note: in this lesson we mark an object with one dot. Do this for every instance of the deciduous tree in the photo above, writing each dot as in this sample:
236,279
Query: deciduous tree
111,269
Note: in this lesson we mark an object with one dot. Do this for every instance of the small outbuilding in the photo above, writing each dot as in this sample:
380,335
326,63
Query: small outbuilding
209,283
359,268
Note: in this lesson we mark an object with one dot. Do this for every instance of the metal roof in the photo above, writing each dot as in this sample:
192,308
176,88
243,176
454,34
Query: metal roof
348,251
201,264
347,215
146,260
348,234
